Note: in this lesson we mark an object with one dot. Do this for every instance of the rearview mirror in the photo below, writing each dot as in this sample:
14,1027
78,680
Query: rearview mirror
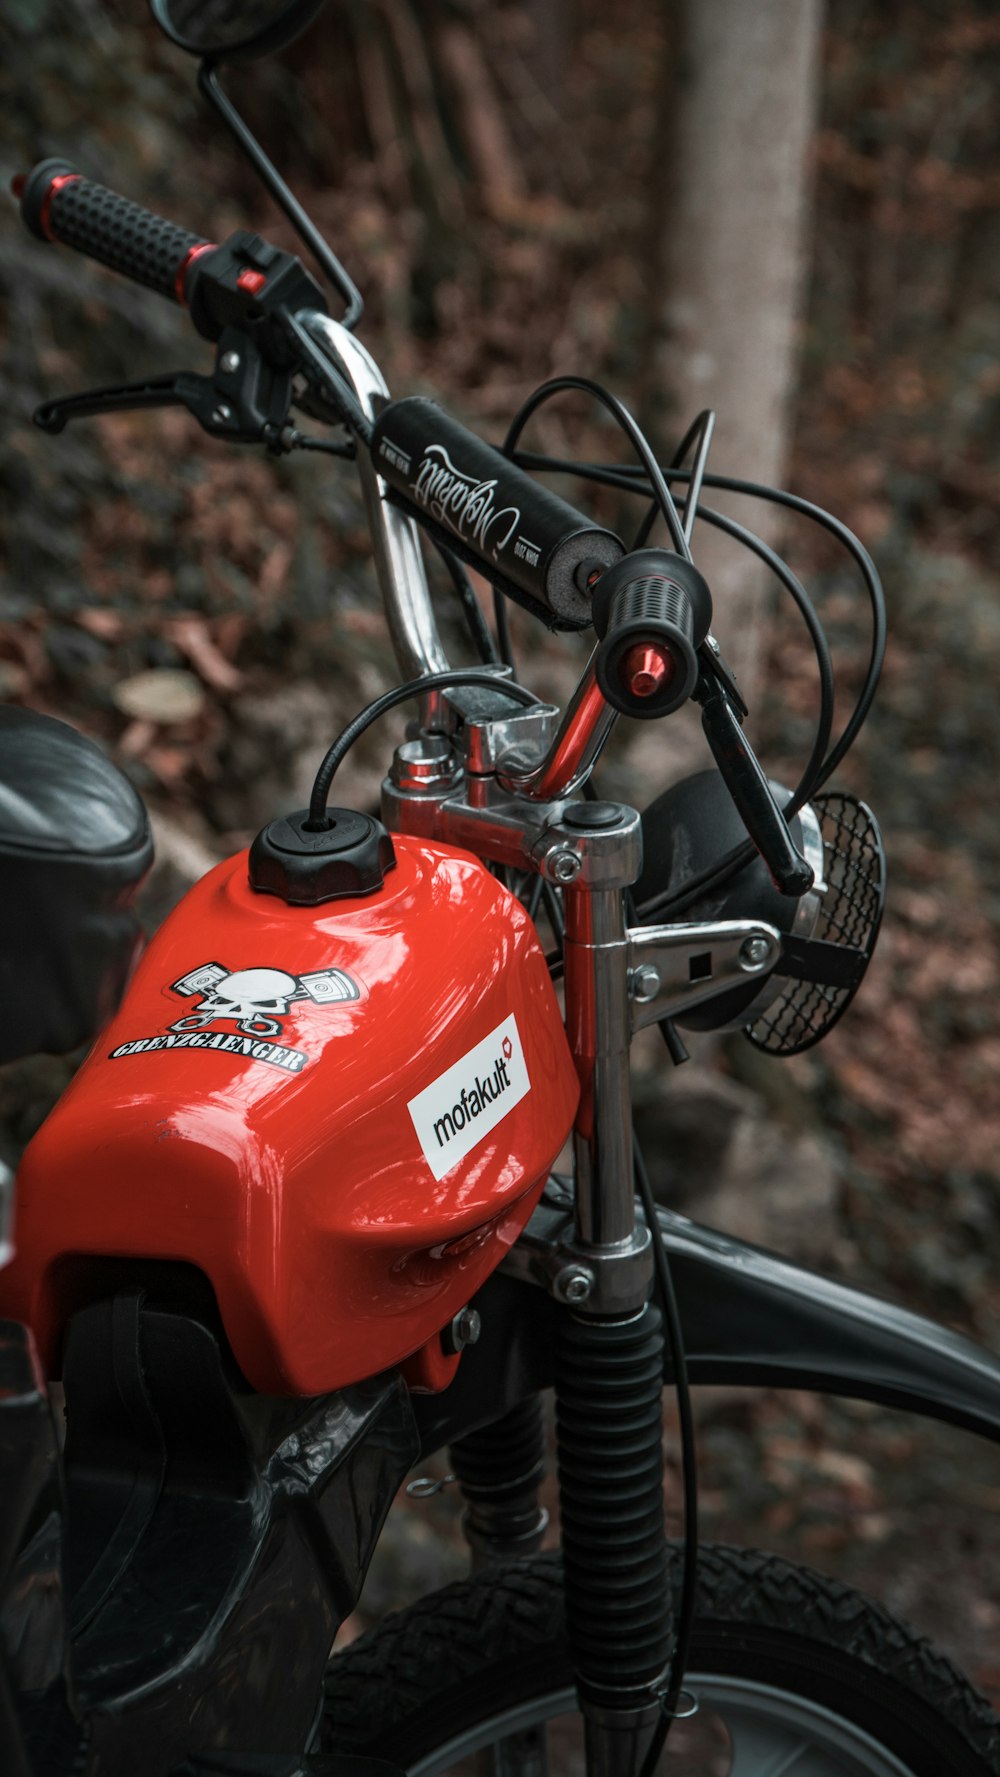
236,30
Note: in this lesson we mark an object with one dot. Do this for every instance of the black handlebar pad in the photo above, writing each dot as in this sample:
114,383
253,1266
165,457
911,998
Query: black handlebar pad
526,540
58,204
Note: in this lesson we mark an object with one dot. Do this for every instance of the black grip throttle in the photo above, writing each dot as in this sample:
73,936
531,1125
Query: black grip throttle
652,612
58,204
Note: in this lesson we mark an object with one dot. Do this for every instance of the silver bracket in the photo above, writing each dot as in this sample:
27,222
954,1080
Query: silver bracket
672,969
593,1280
485,725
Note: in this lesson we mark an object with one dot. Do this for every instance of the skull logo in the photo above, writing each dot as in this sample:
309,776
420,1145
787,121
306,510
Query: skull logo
256,999
252,999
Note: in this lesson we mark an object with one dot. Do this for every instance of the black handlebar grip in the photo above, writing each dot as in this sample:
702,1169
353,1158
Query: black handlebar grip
652,611
525,539
58,204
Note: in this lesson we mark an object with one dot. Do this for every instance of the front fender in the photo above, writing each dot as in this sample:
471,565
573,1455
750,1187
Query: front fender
749,1317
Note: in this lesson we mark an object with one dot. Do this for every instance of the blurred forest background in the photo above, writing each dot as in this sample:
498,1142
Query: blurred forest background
515,188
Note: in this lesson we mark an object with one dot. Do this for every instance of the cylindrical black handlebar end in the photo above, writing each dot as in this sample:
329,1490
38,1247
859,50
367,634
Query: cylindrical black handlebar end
652,611
38,190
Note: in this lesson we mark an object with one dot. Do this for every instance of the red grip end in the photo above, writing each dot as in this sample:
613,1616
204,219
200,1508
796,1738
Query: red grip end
646,667
187,263
44,216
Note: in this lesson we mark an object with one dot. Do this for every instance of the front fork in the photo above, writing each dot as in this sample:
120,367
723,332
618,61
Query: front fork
609,1363
609,1358
610,1345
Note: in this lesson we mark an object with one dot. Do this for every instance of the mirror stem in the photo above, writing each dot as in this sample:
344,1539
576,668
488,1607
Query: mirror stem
303,225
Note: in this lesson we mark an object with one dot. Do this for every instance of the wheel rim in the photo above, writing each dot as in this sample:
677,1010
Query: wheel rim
758,1730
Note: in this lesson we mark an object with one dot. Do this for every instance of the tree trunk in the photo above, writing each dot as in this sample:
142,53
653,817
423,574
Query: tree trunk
733,237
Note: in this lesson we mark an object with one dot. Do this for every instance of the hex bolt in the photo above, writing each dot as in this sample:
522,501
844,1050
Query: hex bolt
573,1284
566,865
229,363
646,983
465,1328
222,415
754,953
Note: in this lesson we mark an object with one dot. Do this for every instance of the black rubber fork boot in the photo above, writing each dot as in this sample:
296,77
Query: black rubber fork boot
500,1468
609,1377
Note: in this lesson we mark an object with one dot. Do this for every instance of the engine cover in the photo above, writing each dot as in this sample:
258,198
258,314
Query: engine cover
343,1116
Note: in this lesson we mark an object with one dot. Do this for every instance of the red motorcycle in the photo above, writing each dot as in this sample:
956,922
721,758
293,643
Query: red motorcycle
295,1222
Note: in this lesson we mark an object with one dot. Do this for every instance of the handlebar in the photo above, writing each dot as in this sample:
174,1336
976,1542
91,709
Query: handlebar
655,609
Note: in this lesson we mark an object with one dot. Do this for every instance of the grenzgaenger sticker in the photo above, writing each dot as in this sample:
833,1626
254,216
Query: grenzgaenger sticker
253,1000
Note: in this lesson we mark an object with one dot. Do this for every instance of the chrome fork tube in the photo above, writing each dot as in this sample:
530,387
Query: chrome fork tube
597,1021
609,1361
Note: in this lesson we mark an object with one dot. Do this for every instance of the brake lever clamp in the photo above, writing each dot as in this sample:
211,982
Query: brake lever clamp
717,667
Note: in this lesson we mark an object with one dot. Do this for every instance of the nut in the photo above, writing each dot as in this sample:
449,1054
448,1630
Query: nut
465,1328
573,1284
229,363
565,865
754,953
646,983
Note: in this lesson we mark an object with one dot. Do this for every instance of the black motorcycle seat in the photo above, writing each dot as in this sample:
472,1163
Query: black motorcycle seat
74,846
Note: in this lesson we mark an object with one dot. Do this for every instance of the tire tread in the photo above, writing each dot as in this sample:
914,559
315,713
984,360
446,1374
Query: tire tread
500,1615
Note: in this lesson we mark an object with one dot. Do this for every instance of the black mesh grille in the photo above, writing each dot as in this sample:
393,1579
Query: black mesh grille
850,914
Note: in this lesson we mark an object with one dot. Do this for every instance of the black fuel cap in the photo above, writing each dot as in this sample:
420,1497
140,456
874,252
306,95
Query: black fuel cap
347,858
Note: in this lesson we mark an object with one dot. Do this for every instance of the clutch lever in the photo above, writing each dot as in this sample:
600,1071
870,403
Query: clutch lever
746,782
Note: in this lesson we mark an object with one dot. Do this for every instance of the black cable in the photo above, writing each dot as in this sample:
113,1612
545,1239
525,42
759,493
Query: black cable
625,477
689,1465
305,441
816,766
475,621
699,434
815,771
553,907
504,644
869,574
399,694
633,432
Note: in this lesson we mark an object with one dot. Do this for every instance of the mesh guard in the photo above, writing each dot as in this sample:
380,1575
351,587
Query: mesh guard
850,913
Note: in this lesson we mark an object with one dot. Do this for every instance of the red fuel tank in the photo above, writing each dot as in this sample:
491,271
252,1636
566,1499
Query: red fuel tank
342,1115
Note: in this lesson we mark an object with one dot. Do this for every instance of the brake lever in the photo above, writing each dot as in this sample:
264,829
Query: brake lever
158,391
246,400
750,789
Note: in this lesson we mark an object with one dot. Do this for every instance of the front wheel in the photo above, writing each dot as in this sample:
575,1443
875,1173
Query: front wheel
795,1675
